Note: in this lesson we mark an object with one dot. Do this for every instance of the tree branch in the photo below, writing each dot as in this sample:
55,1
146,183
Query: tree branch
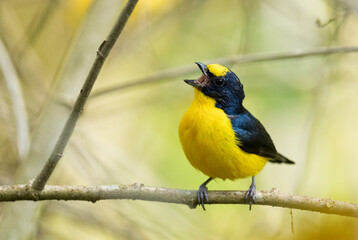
187,197
167,74
66,133
18,105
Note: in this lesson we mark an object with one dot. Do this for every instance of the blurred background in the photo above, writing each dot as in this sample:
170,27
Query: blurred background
129,134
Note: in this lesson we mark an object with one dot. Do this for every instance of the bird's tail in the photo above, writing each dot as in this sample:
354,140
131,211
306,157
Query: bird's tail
279,158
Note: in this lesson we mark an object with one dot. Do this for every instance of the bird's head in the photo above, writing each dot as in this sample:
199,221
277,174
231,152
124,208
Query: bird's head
219,83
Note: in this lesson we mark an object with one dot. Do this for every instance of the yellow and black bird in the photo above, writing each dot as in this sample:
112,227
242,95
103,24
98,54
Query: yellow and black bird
219,136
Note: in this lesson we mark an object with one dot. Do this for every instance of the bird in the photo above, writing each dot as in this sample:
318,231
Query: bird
219,136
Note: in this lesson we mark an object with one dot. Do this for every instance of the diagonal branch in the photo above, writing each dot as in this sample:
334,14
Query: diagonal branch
66,133
167,195
167,74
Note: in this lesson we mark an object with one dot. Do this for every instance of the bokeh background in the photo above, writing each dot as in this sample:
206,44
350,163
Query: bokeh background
129,134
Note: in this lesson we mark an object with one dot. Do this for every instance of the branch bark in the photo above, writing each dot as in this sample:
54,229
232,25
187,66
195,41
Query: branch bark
230,60
66,133
167,195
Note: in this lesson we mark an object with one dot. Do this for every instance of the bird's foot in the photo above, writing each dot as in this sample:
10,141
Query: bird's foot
251,194
203,195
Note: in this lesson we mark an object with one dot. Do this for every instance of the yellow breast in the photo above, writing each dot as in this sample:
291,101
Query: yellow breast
210,145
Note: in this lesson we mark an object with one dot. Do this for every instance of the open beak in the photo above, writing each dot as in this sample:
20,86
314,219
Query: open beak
203,68
202,81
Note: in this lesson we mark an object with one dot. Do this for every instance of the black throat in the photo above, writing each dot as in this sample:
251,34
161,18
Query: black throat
230,107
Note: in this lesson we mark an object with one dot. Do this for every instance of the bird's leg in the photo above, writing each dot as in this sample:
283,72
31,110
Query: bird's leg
251,193
203,193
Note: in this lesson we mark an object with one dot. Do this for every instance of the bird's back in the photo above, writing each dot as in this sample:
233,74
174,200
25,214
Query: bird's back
253,136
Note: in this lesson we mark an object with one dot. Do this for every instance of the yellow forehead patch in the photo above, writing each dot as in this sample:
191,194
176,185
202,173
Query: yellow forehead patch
217,70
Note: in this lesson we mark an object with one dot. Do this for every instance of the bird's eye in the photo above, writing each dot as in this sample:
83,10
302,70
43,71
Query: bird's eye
219,82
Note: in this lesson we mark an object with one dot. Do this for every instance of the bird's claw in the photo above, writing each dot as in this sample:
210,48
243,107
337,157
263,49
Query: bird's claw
251,194
203,195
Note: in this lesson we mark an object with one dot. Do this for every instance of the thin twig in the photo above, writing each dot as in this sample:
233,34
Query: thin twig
18,106
187,197
66,133
170,73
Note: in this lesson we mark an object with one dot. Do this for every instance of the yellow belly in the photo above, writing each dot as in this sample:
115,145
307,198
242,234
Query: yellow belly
210,145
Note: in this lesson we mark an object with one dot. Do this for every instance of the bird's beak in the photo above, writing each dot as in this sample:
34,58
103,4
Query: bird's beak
193,83
202,80
203,68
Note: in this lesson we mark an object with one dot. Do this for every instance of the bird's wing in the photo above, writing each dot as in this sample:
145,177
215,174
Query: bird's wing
253,137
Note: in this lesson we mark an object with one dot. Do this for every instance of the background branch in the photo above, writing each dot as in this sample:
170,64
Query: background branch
17,101
167,74
66,133
188,197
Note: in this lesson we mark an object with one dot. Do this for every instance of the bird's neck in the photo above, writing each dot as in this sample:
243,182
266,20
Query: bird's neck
230,107
201,99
